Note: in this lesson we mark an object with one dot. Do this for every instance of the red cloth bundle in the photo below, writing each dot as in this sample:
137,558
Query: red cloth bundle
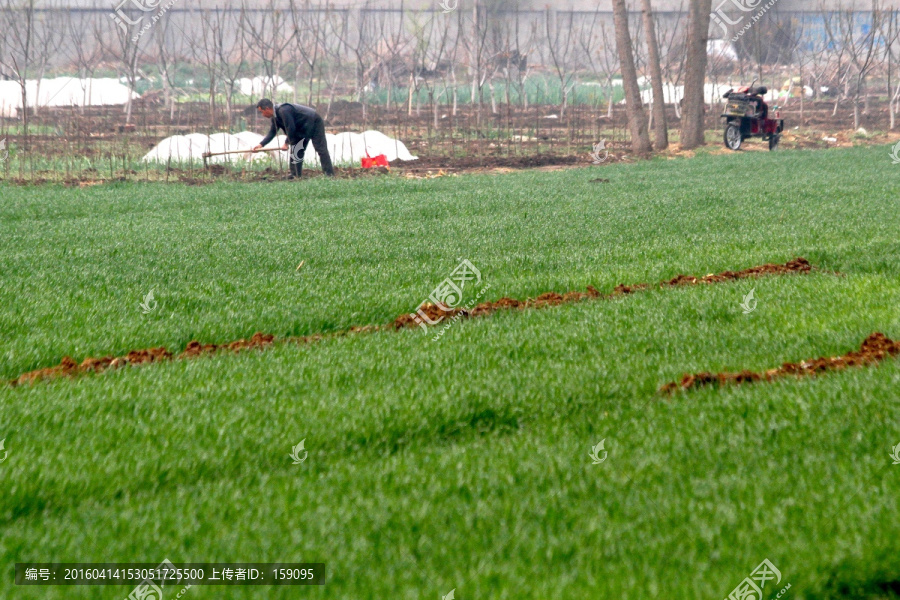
375,161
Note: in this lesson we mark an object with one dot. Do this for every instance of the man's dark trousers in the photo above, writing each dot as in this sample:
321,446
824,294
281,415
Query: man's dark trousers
298,150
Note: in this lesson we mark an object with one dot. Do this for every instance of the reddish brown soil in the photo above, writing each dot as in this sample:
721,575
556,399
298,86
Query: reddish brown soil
798,265
433,312
257,340
215,173
197,176
69,367
874,349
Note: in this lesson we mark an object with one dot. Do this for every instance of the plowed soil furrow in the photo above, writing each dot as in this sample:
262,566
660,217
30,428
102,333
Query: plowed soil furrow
433,311
873,350
69,367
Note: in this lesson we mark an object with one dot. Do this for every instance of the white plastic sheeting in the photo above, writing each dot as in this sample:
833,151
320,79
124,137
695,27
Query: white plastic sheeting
345,148
351,147
10,99
721,49
185,148
63,91
259,86
672,94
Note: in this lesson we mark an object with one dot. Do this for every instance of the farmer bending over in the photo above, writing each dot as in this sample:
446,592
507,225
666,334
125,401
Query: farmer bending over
300,124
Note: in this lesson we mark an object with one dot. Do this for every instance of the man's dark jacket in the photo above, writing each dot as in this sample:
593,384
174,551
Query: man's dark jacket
297,122
302,125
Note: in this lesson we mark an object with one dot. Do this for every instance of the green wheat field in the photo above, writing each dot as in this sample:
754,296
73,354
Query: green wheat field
461,464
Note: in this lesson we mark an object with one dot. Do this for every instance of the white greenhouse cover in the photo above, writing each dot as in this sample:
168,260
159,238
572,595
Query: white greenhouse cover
672,94
345,148
63,91
259,86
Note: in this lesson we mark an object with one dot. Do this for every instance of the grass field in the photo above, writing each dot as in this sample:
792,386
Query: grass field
461,464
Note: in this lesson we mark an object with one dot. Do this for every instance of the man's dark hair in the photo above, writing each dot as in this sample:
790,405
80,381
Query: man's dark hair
265,104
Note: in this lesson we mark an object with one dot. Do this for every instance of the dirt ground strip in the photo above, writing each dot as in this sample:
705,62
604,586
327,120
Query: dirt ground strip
427,166
433,312
423,168
874,349
68,367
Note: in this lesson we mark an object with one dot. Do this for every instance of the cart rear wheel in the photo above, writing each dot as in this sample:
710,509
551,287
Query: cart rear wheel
773,141
733,137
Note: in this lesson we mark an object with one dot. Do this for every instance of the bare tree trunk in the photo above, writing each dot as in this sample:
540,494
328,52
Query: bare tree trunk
889,39
692,111
19,56
893,104
434,106
455,91
637,120
658,108
494,110
609,105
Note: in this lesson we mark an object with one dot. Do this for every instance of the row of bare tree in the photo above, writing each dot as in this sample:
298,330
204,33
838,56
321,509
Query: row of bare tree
482,55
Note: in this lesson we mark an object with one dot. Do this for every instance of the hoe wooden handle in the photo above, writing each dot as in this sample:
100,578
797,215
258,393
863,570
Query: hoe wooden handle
208,154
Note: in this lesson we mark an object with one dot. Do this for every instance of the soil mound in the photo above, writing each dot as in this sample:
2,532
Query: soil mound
433,312
874,349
